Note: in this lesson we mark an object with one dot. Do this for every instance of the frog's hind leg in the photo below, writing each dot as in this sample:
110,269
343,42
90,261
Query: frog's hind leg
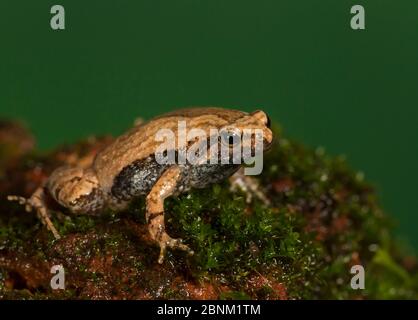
249,185
163,188
37,202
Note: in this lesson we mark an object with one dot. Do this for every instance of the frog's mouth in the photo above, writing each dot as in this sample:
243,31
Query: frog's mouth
268,139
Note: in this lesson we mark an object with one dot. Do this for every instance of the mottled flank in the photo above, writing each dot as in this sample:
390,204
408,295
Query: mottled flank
137,178
322,219
204,175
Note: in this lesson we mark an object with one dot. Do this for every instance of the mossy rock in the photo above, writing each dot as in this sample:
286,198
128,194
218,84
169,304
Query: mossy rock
323,219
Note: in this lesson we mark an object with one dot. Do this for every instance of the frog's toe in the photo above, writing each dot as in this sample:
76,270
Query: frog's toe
178,244
173,244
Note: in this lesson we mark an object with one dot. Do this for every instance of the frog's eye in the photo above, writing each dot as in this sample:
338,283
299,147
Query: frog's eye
229,137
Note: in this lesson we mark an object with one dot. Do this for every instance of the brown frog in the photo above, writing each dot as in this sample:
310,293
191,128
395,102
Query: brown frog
128,168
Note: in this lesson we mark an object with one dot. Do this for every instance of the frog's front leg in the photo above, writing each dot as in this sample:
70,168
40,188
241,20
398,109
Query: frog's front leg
249,185
163,188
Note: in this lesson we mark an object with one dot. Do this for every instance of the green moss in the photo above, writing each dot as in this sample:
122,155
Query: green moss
234,295
233,242
82,223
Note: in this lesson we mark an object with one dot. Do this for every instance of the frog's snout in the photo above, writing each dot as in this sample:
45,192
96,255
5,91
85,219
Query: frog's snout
268,141
267,135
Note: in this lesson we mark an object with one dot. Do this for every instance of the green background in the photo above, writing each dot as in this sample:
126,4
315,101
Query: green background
355,92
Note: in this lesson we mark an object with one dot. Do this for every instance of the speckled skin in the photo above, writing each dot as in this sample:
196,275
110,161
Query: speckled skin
127,169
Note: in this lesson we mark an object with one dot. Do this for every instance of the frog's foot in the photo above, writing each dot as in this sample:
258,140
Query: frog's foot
165,241
37,202
248,185
174,244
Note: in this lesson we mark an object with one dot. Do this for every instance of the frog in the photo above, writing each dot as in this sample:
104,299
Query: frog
127,169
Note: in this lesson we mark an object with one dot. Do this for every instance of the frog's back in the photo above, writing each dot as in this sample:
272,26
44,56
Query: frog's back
139,143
